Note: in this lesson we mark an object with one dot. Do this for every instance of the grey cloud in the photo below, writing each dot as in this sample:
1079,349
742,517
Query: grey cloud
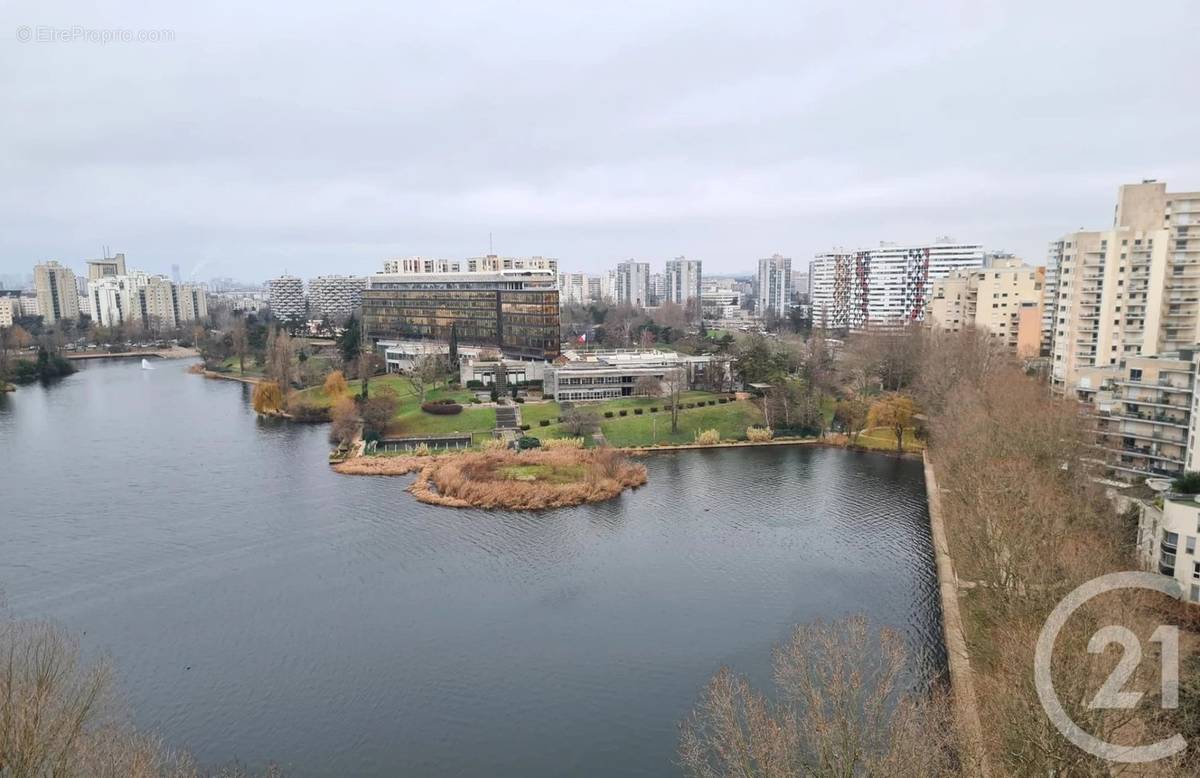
323,138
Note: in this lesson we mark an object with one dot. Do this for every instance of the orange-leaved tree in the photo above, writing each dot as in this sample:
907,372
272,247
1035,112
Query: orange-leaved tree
894,411
268,397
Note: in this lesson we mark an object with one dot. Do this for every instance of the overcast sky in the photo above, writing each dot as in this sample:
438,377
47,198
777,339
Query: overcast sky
326,137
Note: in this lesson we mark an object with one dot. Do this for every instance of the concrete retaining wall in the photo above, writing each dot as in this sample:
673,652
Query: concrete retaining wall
962,684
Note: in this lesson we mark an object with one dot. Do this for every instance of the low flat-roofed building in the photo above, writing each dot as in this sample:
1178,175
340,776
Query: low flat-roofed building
601,375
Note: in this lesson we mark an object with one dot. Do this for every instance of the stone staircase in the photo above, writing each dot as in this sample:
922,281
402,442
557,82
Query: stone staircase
508,420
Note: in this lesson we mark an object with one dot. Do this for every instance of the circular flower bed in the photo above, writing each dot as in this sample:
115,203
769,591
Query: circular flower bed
442,407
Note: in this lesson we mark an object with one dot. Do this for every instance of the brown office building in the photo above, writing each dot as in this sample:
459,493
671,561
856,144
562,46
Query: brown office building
516,311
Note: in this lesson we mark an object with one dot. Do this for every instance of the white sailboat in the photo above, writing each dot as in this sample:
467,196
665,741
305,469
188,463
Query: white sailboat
146,364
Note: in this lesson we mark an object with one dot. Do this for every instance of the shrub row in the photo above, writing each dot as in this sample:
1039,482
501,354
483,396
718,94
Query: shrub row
442,407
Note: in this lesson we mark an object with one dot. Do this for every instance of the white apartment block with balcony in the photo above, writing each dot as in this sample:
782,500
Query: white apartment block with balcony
335,297
1005,299
1145,416
886,286
1168,540
1133,290
285,295
10,311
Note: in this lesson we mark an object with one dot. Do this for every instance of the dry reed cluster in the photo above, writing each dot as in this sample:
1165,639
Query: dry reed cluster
480,481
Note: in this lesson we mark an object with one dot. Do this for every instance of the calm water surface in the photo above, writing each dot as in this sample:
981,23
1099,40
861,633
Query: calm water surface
260,606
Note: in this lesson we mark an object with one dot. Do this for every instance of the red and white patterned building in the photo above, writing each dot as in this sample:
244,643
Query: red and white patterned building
887,286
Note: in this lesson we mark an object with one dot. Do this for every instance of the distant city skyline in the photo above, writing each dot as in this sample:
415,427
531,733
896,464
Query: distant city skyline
589,134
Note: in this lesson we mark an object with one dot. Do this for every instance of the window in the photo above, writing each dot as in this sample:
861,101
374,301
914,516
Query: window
1195,593
1196,570
1191,544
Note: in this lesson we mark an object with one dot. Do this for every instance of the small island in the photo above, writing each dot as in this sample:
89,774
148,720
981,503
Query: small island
529,480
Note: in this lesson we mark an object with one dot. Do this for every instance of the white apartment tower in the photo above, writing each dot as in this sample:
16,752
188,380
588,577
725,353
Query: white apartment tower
574,288
684,278
633,284
1132,290
887,286
57,293
285,295
774,287
336,296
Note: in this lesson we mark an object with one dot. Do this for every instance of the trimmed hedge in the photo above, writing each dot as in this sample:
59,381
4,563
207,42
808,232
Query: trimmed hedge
526,442
442,408
654,409
623,413
722,400
637,411
544,423
475,385
525,428
608,414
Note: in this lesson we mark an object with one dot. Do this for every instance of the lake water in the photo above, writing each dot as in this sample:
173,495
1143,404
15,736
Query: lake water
259,606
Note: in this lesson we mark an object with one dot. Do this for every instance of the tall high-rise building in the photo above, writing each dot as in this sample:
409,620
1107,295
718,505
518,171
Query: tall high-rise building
191,303
633,283
683,282
510,305
153,300
774,286
285,295
10,309
335,296
574,289
887,286
595,288
1004,298
800,285
658,288
57,293
1133,290
109,266
608,286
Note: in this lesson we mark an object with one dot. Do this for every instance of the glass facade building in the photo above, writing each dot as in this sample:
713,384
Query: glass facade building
517,314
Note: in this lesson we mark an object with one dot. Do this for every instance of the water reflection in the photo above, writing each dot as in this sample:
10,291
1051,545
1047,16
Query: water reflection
335,625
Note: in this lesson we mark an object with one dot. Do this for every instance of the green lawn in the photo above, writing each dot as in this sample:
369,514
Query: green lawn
730,420
883,439
415,421
532,413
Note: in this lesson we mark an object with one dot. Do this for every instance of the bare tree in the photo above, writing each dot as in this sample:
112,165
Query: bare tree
425,372
281,354
674,383
240,341
580,421
842,711
59,716
647,386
